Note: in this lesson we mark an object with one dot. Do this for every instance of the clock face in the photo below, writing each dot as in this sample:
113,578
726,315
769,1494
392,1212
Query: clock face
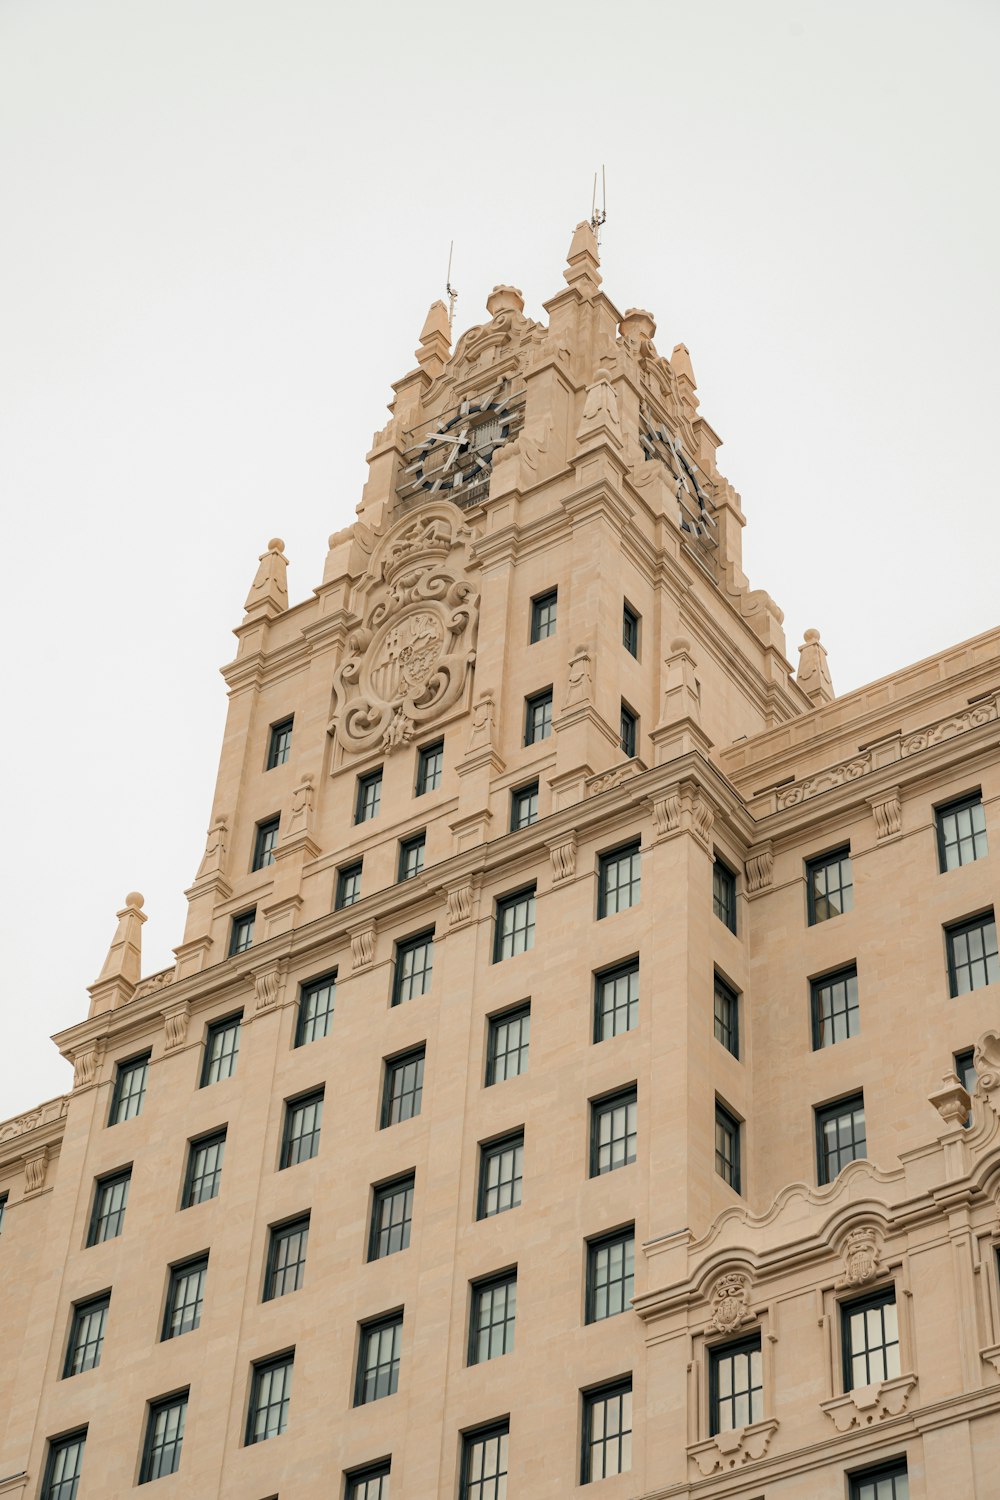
456,458
658,442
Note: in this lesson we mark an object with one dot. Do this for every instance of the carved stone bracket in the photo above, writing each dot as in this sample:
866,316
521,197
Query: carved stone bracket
731,1303
731,1450
760,869
563,857
362,947
36,1166
868,1404
175,1025
667,812
952,1100
683,808
887,811
462,901
267,986
991,1356
86,1063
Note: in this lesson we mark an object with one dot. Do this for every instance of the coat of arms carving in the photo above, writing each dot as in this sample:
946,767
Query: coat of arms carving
731,1302
861,1257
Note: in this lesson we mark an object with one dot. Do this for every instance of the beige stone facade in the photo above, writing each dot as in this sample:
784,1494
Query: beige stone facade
540,617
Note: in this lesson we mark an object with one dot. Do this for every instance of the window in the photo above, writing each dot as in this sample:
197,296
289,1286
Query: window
835,1013
727,1147
107,1218
348,886
507,1045
411,856
286,1258
369,796
840,1136
130,1089
317,999
829,886
515,924
222,1048
607,1431
628,730
204,1171
280,744
369,1484
430,765
484,1464
63,1465
972,954
610,1274
378,1360
164,1436
613,1132
727,1016
616,1001
724,894
265,840
185,1296
241,934
414,968
630,630
965,1068
270,1392
491,1324
501,1169
887,1482
538,717
524,806
618,880
870,1337
3,1209
735,1385
392,1214
961,832
303,1119
86,1336
543,616
404,1087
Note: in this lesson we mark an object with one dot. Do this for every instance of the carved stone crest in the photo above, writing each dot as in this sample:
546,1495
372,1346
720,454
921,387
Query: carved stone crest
731,1302
861,1257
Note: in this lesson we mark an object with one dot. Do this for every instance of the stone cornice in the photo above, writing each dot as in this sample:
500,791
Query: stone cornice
34,1130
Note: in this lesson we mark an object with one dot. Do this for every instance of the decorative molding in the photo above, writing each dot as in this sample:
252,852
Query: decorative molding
887,811
734,1449
702,816
482,721
868,1404
266,984
986,1059
760,868
214,859
861,1254
51,1111
362,947
605,780
86,1063
36,1167
947,728
563,857
951,1100
667,812
991,1356
579,688
175,1026
462,898
731,1302
155,982
824,781
683,808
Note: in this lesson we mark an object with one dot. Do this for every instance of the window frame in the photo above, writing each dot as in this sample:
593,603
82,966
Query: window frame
733,1125
391,1066
278,754
491,1150
85,1308
628,726
606,1104
345,873
836,1109
293,1105
477,1436
630,617
404,946
517,796
356,1481
818,862
218,1028
122,1069
489,1284
55,1446
894,1469
884,1297
383,1192
749,1344
241,925
374,1328
432,756
101,1184
178,1400
175,1273
952,808
541,700
728,877
631,850
526,895
731,995
843,975
624,1237
200,1143
368,781
544,629
265,837
416,844
952,930
600,1395
610,976
276,1235
258,1369
519,1012
308,989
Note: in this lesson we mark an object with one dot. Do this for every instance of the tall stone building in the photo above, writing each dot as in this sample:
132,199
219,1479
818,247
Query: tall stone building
581,1062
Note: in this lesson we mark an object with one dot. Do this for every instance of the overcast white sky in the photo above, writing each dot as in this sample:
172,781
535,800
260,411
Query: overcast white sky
224,222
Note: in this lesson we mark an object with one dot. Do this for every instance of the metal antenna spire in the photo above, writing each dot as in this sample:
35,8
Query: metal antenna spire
599,215
452,291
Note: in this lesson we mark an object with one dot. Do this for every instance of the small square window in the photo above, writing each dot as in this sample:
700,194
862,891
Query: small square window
736,1385
241,932
629,730
869,1334
515,924
830,886
185,1298
86,1336
607,1431
317,999
840,1136
222,1048
286,1258
727,1016
972,954
204,1172
630,630
392,1215
369,797
164,1436
538,717
543,616
507,1046
491,1322
130,1089
618,880
107,1219
430,767
404,1087
961,832
616,1001
303,1122
369,1484
378,1360
724,894
501,1172
411,856
270,1394
524,806
610,1274
348,886
265,842
484,1463
727,1148
835,1011
280,744
414,968
887,1482
613,1132
63,1466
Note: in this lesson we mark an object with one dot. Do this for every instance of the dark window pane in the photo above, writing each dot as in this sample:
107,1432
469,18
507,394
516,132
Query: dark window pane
204,1172
270,1393
86,1337
241,935
543,616
870,1339
303,1120
830,885
736,1385
613,1132
378,1360
887,1482
961,831
501,1170
491,1328
63,1466
617,1001
618,880
348,886
430,766
110,1201
164,1437
607,1432
727,1016
524,807
972,954
484,1464
630,631
404,1086
840,1136
369,1484
286,1259
316,1004
3,1209
392,1214
628,731
280,745
414,968
610,1274
222,1048
727,1148
130,1089
265,842
369,797
185,1297
411,856
538,717
965,1069
507,1052
515,925
835,1012
724,894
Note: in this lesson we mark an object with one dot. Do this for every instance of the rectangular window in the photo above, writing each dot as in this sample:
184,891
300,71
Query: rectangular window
840,1136
404,1087
185,1297
616,1001
265,841
972,954
887,1482
63,1465
86,1336
241,932
369,796
538,717
727,1148
965,1069
430,767
411,856
869,1334
607,1431
286,1258
835,1012
727,1016
369,1484
507,1045
303,1120
484,1464
829,885
724,894
392,1214
222,1048
414,968
524,806
3,1209
164,1436
501,1170
270,1393
491,1323
961,832
515,924
130,1089
348,886
543,616
204,1172
317,999
280,744
628,730
610,1274
378,1360
107,1218
613,1132
630,630
618,876
735,1385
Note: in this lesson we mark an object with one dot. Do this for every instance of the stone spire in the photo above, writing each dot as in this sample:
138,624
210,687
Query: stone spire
123,966
813,675
435,340
583,261
680,363
268,594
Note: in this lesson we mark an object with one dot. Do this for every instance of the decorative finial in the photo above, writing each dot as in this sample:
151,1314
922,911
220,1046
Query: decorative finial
505,299
598,216
813,675
583,260
435,340
268,594
123,966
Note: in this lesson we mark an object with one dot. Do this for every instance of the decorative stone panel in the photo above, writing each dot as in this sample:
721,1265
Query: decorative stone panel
732,1450
867,1405
731,1303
